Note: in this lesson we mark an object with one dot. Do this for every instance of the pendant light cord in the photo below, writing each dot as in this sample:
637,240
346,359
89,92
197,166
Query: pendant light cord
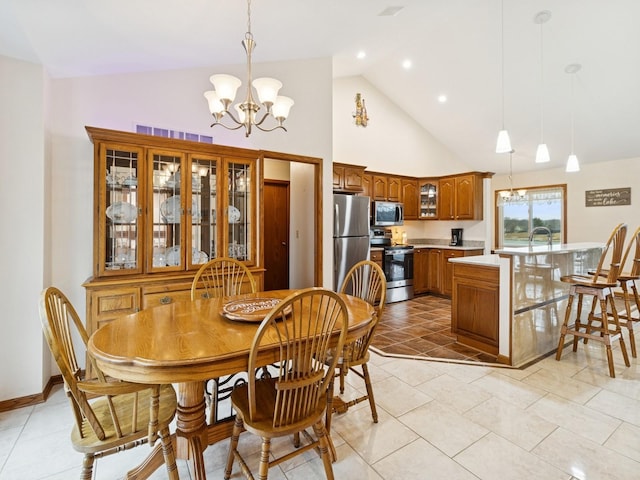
541,84
502,58
572,112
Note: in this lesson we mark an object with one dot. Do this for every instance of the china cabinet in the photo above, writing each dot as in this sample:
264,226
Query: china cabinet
163,207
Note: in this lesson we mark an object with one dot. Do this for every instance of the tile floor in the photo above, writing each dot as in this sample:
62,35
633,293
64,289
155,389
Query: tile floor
438,420
422,327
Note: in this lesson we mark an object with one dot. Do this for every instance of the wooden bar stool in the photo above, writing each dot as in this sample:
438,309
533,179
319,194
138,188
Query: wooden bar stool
600,286
628,291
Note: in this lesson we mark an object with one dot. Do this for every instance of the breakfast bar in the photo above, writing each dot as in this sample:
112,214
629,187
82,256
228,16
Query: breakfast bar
511,303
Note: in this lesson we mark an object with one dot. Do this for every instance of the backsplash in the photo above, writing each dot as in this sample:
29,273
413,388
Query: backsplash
444,241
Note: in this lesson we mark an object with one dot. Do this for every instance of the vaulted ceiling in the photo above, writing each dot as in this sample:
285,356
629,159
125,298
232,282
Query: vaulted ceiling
454,47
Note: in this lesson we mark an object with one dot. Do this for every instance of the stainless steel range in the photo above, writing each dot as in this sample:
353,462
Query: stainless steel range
398,270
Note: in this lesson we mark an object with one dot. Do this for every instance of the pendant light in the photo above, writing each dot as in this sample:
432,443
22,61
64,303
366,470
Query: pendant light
572,162
503,145
542,152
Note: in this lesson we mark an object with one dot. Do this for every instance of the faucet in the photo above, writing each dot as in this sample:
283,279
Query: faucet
540,229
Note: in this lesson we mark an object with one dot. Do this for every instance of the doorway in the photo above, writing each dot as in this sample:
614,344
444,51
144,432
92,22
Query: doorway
276,234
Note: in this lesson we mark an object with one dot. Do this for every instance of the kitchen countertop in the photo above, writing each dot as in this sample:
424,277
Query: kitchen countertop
554,248
484,260
434,245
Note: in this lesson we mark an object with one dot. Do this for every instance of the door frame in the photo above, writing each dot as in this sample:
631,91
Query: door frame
317,201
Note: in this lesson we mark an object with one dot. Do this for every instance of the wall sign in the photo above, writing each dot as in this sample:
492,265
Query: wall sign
607,197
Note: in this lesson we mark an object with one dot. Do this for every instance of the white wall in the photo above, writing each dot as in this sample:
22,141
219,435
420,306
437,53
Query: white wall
23,238
587,224
392,142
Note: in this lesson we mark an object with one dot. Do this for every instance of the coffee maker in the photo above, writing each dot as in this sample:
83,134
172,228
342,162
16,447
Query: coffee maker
456,237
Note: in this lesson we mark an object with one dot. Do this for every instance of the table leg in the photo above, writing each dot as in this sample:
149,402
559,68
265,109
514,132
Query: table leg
191,431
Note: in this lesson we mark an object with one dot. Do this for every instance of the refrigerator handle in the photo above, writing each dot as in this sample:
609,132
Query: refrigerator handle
336,211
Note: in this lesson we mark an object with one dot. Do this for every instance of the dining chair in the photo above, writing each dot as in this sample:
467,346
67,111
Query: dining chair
220,277
298,334
600,287
627,292
367,281
110,416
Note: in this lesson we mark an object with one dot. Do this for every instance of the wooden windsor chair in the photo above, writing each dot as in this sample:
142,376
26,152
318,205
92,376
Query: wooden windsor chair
600,287
303,328
110,416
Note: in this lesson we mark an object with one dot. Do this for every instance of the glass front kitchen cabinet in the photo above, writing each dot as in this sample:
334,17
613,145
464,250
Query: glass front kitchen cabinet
165,210
428,199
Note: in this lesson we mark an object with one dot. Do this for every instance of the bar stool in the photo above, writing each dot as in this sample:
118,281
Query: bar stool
628,291
600,286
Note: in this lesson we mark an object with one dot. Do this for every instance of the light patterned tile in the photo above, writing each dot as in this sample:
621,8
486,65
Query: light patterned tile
348,466
372,441
397,397
509,389
575,417
459,395
412,372
626,441
522,427
432,420
414,460
616,405
493,457
558,384
585,459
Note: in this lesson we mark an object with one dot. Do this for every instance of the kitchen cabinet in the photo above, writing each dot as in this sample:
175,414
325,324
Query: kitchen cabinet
420,270
394,189
434,274
447,270
379,187
409,197
377,257
348,178
162,208
428,199
475,306
367,186
460,197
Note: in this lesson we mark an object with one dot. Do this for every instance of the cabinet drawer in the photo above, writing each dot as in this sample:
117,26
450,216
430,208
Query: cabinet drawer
155,295
108,304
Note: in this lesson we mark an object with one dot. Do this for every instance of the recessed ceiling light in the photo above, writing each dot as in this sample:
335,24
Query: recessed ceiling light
406,64
361,54
442,98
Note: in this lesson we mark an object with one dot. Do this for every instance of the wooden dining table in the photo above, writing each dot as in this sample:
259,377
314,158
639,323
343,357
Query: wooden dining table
186,343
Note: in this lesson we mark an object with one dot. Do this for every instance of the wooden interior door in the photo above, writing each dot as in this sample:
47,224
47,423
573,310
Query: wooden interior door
276,234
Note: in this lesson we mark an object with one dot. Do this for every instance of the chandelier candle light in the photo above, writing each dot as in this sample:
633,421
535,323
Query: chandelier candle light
542,153
226,86
503,145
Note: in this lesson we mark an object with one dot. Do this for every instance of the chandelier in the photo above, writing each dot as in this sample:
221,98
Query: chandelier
226,86
512,196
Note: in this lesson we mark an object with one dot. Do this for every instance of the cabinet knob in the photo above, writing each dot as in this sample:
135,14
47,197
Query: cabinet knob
165,300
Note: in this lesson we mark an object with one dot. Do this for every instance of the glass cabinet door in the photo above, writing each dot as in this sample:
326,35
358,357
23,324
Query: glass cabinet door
202,212
166,211
429,200
240,231
119,251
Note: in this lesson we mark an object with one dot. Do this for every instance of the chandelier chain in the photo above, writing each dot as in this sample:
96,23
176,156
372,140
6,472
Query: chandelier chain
249,18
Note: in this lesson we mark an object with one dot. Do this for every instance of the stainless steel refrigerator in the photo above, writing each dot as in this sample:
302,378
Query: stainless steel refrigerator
350,234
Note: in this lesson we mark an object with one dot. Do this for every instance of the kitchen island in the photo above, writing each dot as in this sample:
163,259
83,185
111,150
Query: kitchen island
511,303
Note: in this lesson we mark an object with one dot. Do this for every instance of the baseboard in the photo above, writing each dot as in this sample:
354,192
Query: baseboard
31,400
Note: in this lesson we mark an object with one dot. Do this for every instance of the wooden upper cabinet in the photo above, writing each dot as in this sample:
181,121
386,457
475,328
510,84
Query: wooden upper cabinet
428,199
379,187
367,185
460,197
410,198
394,189
348,178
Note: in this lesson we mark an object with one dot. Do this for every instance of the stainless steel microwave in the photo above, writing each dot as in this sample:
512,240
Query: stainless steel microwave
385,214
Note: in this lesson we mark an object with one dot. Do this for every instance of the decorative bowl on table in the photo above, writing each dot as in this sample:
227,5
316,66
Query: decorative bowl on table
250,309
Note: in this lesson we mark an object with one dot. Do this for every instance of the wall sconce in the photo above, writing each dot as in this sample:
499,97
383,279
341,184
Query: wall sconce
360,115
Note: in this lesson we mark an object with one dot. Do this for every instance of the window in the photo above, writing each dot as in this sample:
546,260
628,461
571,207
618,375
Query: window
520,211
